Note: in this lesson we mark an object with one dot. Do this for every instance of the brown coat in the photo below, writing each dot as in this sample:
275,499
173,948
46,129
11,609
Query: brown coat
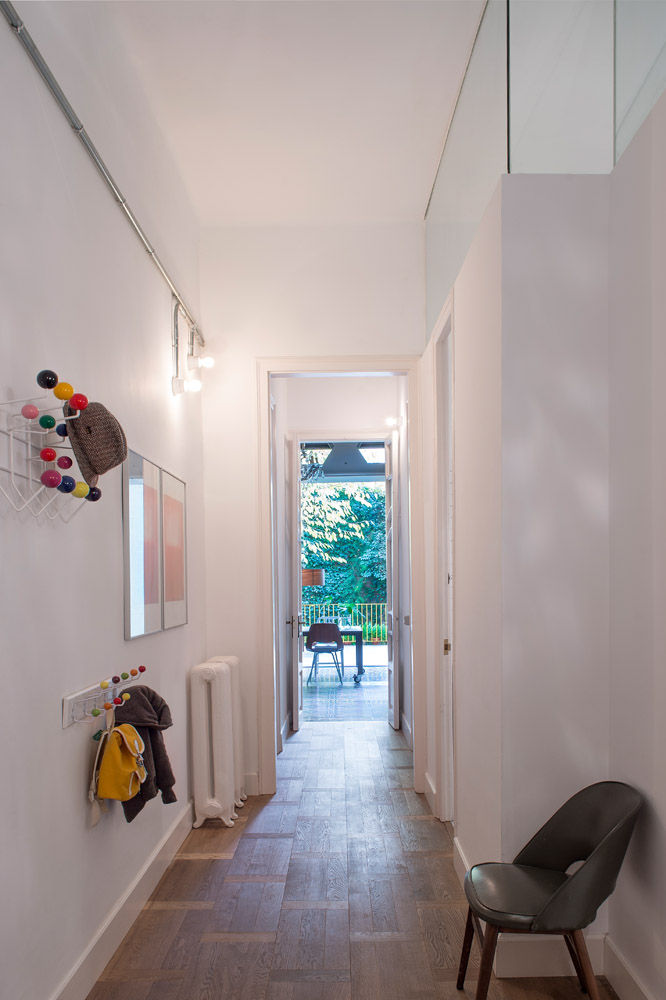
148,712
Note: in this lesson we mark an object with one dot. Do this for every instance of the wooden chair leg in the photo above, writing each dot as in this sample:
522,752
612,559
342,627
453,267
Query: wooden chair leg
571,948
466,948
585,964
487,956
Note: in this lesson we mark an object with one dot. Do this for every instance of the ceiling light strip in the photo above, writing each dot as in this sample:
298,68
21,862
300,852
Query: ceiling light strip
49,79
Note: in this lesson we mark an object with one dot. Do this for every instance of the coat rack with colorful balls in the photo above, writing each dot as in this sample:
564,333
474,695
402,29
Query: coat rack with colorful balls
93,434
51,477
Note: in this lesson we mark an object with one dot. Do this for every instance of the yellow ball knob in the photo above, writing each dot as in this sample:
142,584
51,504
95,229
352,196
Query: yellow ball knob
63,390
81,490
104,685
125,697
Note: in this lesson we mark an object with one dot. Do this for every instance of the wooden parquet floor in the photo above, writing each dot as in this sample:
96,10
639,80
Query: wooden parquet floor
339,887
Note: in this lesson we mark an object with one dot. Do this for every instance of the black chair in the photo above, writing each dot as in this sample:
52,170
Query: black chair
325,637
536,894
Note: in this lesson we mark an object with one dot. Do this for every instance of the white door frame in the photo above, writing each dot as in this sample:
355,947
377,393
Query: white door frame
266,679
444,675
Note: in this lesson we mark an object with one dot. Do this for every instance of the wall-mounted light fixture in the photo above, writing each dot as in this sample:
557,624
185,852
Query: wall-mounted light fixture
178,382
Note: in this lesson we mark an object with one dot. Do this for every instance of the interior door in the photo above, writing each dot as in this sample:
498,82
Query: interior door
444,515
293,470
393,646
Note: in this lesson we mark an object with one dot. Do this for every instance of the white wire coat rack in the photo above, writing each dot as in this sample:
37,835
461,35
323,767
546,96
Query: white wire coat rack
35,448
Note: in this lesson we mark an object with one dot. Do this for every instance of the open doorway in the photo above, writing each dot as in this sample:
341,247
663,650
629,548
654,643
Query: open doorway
343,544
368,403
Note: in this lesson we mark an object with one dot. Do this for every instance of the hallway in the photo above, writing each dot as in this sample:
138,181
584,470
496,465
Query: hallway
340,886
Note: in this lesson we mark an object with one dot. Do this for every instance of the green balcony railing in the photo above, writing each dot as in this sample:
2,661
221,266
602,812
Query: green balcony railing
372,618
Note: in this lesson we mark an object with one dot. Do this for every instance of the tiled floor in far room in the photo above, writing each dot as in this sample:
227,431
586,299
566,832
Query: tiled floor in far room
326,700
339,887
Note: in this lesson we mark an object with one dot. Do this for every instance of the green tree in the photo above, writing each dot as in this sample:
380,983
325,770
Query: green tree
343,532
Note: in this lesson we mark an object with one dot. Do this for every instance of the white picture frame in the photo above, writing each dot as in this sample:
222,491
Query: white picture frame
174,551
142,545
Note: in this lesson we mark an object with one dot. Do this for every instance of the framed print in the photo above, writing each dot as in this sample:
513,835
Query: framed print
142,546
174,573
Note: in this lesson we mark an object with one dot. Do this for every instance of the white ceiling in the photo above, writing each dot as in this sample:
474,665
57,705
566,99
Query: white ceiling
301,112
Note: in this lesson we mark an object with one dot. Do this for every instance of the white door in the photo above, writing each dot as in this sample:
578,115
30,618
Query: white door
293,540
444,516
392,639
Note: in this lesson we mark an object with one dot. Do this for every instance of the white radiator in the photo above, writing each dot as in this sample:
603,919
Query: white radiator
213,711
236,725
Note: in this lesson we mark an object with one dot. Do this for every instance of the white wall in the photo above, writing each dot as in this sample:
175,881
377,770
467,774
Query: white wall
283,292
638,546
555,618
531,511
80,295
343,404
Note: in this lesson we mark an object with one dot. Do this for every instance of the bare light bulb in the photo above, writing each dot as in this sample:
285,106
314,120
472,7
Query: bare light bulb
203,361
192,385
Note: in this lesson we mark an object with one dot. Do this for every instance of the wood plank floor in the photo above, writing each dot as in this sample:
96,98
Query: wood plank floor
339,887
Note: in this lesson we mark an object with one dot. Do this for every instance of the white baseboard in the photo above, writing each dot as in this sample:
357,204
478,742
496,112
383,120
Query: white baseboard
521,955
407,730
460,862
431,794
622,976
79,982
252,783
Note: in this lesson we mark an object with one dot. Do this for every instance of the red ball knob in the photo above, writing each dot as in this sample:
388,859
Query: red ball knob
78,401
116,679
51,478
47,454
117,701
142,670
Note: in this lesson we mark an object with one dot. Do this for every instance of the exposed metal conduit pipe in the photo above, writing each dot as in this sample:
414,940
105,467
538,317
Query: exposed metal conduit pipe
49,79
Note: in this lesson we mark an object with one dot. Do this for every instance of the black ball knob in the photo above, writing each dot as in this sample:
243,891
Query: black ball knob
47,379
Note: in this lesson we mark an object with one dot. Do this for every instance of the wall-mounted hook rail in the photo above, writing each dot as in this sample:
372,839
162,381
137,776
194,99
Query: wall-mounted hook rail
94,701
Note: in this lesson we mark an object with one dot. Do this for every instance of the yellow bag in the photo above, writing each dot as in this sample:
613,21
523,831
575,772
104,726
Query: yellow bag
122,771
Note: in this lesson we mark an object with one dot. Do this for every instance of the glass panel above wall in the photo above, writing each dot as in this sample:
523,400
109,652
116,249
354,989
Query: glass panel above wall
561,86
640,65
475,155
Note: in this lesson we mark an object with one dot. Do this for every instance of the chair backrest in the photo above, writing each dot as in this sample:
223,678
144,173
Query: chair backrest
327,632
594,826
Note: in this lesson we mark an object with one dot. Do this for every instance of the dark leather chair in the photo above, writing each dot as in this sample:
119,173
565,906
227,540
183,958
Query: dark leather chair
325,637
537,894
